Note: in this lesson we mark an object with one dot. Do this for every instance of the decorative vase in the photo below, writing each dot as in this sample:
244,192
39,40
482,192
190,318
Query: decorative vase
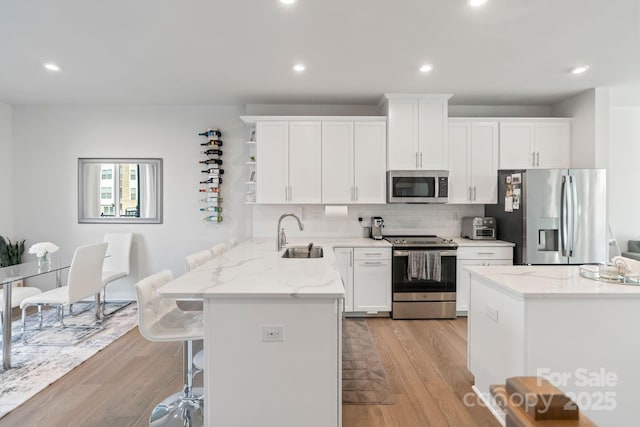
44,262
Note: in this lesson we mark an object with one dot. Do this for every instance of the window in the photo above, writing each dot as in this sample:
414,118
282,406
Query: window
112,190
106,192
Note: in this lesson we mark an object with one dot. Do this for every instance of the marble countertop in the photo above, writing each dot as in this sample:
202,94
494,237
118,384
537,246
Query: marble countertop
254,269
464,242
549,281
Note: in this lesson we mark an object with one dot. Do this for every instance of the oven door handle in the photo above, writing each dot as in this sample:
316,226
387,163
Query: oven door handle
442,253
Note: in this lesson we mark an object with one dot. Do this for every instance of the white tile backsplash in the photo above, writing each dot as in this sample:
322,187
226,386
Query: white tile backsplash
442,220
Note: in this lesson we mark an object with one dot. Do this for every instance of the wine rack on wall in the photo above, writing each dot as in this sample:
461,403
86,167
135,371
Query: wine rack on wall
212,172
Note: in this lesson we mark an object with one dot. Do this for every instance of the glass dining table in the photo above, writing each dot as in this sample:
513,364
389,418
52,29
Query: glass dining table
9,276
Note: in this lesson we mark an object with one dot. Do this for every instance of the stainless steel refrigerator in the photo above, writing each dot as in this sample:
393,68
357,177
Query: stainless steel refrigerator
554,216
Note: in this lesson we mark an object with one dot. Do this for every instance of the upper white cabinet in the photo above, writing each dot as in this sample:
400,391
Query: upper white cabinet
272,149
354,161
473,161
535,143
305,165
320,159
288,156
417,136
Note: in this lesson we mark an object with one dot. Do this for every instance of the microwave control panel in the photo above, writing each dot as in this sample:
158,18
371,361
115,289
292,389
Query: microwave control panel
443,186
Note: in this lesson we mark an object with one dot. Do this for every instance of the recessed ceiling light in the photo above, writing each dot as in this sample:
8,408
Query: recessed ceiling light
476,3
287,1
579,70
51,67
299,67
426,68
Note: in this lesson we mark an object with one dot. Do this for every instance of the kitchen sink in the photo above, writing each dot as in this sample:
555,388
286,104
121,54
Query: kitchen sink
303,252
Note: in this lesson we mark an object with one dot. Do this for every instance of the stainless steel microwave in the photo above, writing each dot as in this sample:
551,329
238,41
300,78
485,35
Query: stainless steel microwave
417,186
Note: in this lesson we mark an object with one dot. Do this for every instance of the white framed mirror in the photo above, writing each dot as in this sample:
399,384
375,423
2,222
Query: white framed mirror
120,190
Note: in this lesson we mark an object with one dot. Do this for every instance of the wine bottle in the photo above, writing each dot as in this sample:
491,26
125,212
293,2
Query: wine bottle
212,142
211,209
214,170
209,190
213,218
212,181
213,198
211,132
211,161
212,152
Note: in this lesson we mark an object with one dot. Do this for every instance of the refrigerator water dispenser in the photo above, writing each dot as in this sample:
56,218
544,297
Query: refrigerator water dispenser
548,234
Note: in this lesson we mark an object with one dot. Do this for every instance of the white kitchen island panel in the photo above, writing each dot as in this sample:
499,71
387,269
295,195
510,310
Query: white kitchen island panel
548,321
290,383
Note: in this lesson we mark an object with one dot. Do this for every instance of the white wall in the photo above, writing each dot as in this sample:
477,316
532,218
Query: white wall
441,220
624,173
500,111
49,139
590,127
6,171
311,110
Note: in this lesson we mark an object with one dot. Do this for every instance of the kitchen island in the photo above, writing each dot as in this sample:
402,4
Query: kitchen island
548,321
272,336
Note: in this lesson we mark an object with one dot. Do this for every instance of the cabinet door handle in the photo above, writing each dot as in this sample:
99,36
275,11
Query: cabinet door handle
417,160
533,158
474,193
290,193
470,198
286,195
372,263
486,253
372,254
420,160
356,198
537,158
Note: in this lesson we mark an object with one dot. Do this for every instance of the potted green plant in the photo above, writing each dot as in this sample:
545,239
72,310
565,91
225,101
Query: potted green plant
10,253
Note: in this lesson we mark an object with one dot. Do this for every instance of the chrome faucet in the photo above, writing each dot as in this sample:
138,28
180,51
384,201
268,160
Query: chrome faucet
281,238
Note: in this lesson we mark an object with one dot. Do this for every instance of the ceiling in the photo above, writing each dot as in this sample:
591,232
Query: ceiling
242,51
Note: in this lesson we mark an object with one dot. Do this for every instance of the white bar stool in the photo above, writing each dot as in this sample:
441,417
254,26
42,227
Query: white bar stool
160,320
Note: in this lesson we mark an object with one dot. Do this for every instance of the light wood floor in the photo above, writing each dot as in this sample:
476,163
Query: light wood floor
425,362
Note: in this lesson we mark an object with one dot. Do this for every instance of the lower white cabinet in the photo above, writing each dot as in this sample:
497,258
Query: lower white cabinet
366,274
344,259
476,255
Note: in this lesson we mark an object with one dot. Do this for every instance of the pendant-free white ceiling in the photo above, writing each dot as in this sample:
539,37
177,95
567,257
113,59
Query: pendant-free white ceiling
242,51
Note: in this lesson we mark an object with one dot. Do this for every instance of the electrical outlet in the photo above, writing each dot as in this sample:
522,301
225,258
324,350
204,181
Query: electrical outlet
272,333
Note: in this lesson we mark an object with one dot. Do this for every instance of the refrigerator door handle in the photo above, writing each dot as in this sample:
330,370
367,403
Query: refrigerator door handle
563,216
574,204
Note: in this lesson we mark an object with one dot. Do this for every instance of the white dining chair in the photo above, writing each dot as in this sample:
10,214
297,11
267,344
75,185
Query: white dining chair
160,320
85,280
117,264
18,294
197,259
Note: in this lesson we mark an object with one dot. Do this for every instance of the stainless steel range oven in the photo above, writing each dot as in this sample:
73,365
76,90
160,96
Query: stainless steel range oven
424,277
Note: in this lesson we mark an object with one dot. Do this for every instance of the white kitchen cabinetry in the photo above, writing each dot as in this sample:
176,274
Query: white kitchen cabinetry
473,161
535,143
288,156
366,274
353,162
417,136
476,255
372,280
344,259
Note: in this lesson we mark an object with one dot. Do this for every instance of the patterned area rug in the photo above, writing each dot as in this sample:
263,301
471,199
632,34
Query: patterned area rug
364,380
37,366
